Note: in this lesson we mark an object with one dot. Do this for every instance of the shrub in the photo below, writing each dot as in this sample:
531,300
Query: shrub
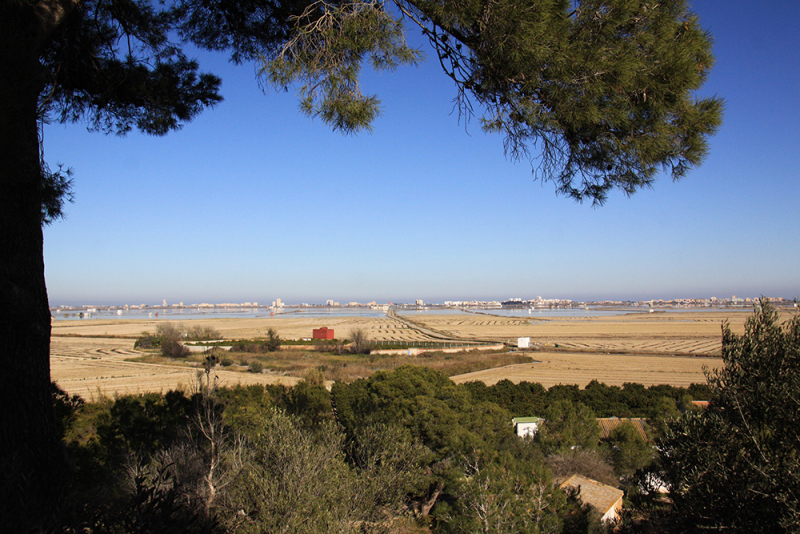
171,346
147,341
360,342
273,342
255,367
203,333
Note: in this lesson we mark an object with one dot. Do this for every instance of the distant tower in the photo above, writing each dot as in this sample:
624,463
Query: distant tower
164,303
278,302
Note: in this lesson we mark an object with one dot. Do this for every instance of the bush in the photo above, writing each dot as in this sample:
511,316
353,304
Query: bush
360,342
147,341
273,342
202,333
171,346
255,367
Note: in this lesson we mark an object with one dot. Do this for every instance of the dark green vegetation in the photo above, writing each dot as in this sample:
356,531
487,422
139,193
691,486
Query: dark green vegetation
599,91
736,466
406,449
168,338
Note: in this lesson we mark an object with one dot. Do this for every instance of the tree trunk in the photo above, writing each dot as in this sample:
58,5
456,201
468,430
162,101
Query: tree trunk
31,457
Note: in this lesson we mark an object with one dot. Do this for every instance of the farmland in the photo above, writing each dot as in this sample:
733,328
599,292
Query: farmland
96,357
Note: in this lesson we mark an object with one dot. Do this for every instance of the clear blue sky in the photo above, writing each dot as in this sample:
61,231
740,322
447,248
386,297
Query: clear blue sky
253,201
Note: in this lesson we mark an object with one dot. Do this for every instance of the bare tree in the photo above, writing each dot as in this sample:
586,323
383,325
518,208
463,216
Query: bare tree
360,343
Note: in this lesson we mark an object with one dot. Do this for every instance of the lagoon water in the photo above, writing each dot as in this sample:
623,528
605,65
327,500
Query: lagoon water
213,313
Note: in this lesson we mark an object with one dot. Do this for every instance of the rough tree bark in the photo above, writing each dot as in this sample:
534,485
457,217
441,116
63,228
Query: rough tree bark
31,456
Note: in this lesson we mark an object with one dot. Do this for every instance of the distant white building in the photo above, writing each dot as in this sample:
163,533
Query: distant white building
526,426
523,342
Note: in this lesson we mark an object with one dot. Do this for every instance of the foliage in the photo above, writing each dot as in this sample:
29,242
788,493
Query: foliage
66,407
256,367
360,342
299,481
509,498
147,341
657,403
568,426
628,451
273,340
201,333
601,89
171,345
735,464
456,430
328,44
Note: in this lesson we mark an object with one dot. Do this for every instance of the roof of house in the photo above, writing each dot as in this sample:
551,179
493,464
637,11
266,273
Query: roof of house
526,420
701,403
608,424
601,496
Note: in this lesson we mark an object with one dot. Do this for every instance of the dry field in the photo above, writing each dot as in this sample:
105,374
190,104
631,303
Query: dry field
293,327
553,368
94,367
652,348
663,333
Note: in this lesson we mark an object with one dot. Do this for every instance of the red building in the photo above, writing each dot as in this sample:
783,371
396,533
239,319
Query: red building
322,333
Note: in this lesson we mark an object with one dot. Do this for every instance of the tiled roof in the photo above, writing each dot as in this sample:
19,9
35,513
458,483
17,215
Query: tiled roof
608,424
599,495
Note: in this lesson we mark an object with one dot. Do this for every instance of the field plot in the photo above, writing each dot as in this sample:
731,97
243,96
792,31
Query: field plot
94,367
645,333
553,368
377,328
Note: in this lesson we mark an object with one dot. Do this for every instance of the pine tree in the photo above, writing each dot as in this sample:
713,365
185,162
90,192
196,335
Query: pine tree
736,465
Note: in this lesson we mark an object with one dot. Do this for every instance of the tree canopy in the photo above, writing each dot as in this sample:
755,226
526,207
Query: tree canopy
734,466
598,94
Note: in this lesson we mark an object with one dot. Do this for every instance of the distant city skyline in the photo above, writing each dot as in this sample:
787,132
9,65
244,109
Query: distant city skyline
424,302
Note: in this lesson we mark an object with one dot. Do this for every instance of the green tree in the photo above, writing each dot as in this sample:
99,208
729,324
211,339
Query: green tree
273,342
171,345
600,89
628,451
436,412
568,426
734,466
510,498
299,481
